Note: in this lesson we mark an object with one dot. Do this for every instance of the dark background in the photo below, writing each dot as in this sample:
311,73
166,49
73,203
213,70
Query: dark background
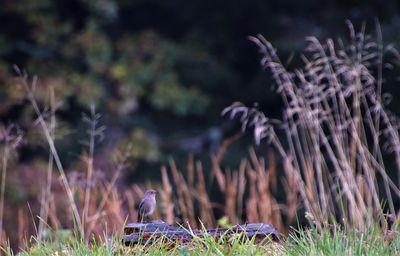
160,72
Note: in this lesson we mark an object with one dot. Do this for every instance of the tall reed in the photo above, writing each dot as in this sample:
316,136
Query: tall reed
335,130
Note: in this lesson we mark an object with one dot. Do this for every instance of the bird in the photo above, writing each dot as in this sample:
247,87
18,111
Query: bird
147,205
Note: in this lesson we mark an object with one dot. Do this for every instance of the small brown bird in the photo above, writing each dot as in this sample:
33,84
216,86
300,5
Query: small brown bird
147,205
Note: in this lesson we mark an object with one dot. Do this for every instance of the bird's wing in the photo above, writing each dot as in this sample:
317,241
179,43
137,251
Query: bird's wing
142,206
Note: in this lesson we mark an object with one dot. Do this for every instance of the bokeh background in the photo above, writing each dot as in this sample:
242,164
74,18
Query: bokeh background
159,73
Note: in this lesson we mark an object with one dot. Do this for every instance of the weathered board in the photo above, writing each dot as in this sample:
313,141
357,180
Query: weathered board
150,231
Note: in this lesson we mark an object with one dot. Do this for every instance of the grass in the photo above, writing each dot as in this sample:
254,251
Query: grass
342,242
206,245
328,241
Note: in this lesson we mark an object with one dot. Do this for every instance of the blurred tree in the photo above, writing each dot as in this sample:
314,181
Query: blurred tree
73,47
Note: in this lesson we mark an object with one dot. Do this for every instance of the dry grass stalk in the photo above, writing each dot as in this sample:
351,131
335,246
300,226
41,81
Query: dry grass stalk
22,227
185,198
53,217
132,209
206,210
166,197
113,210
252,201
230,195
310,188
218,174
190,170
264,194
180,192
241,188
4,242
189,202
291,188
272,169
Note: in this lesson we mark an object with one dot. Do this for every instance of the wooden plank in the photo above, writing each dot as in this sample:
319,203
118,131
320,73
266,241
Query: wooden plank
151,231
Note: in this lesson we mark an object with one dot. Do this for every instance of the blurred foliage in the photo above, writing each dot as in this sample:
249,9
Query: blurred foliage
159,71
73,47
140,145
